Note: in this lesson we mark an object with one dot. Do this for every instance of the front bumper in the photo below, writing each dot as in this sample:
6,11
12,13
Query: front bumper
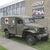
43,35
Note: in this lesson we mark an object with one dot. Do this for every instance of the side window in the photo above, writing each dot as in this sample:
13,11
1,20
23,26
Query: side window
19,21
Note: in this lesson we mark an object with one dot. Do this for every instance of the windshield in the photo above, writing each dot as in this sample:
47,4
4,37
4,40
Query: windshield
29,20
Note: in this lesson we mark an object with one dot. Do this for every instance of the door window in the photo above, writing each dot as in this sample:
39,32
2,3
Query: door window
19,21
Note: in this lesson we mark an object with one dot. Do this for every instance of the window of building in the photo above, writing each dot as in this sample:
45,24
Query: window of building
13,9
4,11
23,8
10,10
1,12
18,9
7,11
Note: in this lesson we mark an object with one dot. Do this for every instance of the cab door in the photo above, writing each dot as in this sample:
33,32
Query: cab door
19,26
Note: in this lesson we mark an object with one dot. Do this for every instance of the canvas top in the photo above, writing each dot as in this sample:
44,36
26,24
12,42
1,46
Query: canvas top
18,16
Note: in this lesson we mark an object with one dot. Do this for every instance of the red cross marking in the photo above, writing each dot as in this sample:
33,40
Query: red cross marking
6,20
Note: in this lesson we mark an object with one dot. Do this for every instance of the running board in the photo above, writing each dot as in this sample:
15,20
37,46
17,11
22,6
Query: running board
18,35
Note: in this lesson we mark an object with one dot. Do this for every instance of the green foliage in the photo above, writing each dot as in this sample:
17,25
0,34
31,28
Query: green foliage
2,33
2,48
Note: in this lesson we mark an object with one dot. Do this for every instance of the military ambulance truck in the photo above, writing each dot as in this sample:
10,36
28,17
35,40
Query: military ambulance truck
25,27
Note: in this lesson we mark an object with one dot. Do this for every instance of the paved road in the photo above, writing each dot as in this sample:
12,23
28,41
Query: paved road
12,45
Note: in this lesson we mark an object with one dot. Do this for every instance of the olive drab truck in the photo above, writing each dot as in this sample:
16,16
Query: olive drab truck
25,27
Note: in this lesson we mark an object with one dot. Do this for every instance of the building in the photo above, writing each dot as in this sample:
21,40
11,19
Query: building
13,8
38,9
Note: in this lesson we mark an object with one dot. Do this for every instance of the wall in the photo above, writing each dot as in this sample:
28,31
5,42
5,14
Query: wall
47,13
46,21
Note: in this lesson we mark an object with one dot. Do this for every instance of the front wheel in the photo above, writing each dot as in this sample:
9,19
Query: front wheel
31,40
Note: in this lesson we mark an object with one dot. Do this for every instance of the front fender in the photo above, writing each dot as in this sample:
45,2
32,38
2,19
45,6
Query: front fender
32,31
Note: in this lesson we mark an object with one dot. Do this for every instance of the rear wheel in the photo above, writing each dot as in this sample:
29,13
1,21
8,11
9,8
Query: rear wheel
31,40
7,34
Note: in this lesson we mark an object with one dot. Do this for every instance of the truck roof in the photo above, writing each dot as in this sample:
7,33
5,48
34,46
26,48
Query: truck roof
18,16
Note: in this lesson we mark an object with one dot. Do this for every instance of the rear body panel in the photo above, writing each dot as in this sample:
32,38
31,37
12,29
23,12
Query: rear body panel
10,24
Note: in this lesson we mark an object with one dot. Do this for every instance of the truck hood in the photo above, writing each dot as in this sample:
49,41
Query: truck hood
34,25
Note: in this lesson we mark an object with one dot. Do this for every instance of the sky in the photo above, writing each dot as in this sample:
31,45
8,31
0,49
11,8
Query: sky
2,2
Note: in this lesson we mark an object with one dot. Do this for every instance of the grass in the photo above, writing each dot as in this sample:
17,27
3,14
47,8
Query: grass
2,48
40,44
2,33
